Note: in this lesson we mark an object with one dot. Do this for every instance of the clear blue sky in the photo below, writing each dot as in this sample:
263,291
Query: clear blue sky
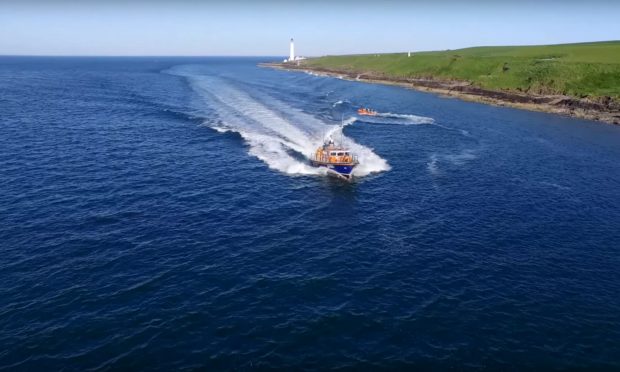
236,27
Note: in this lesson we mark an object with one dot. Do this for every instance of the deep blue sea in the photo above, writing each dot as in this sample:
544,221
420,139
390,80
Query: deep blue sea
159,214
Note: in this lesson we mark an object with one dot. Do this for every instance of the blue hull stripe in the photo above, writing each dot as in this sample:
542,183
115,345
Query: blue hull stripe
338,168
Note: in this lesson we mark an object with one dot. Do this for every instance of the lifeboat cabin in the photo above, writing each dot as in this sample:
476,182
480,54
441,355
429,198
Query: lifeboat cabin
337,159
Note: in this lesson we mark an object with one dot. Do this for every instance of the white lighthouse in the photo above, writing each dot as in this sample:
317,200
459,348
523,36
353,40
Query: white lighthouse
291,56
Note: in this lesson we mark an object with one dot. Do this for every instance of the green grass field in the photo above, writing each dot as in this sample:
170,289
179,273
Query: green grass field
580,70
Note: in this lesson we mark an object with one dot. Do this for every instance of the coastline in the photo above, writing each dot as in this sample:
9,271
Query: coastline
604,110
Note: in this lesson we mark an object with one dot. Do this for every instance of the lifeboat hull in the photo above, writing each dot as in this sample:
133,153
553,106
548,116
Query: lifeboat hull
343,170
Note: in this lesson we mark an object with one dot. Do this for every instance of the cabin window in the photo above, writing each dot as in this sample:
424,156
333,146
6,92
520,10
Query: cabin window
340,153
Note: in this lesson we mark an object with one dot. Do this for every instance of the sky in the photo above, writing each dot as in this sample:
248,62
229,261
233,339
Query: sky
320,27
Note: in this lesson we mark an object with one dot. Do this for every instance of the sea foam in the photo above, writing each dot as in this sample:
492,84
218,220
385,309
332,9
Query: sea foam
280,135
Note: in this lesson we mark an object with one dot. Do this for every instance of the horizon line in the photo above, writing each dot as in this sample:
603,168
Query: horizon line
284,56
138,55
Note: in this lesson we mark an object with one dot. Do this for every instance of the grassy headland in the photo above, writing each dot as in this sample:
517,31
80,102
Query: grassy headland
577,79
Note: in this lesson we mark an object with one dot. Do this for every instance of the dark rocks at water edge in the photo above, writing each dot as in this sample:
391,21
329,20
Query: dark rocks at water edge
605,109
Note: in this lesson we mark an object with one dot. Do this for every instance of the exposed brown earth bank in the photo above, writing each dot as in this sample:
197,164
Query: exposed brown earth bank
605,109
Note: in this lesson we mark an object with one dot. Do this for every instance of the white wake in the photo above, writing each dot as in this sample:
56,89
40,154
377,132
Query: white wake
276,133
397,119
388,118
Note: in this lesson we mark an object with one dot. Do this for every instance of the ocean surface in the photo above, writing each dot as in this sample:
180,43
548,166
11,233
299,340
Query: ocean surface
160,214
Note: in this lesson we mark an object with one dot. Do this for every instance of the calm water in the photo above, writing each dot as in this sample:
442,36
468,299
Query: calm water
159,214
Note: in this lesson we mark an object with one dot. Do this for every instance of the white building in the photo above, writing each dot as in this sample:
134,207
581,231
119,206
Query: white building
291,55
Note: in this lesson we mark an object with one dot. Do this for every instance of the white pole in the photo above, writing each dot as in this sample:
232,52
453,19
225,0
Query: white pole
291,56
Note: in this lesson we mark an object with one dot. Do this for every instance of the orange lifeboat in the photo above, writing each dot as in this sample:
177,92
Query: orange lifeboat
366,112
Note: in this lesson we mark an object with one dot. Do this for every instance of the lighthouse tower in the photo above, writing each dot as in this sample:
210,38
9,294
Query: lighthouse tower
291,56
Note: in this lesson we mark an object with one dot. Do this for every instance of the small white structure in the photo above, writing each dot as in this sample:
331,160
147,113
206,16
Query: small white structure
408,54
291,55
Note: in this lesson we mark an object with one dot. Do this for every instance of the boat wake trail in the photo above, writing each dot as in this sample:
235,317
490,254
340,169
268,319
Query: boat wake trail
406,119
396,119
388,118
276,133
383,117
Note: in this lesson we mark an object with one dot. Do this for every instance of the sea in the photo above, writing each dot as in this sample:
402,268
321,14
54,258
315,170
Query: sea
159,213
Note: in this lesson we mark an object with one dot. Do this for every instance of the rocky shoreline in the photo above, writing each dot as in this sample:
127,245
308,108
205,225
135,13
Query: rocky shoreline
604,109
